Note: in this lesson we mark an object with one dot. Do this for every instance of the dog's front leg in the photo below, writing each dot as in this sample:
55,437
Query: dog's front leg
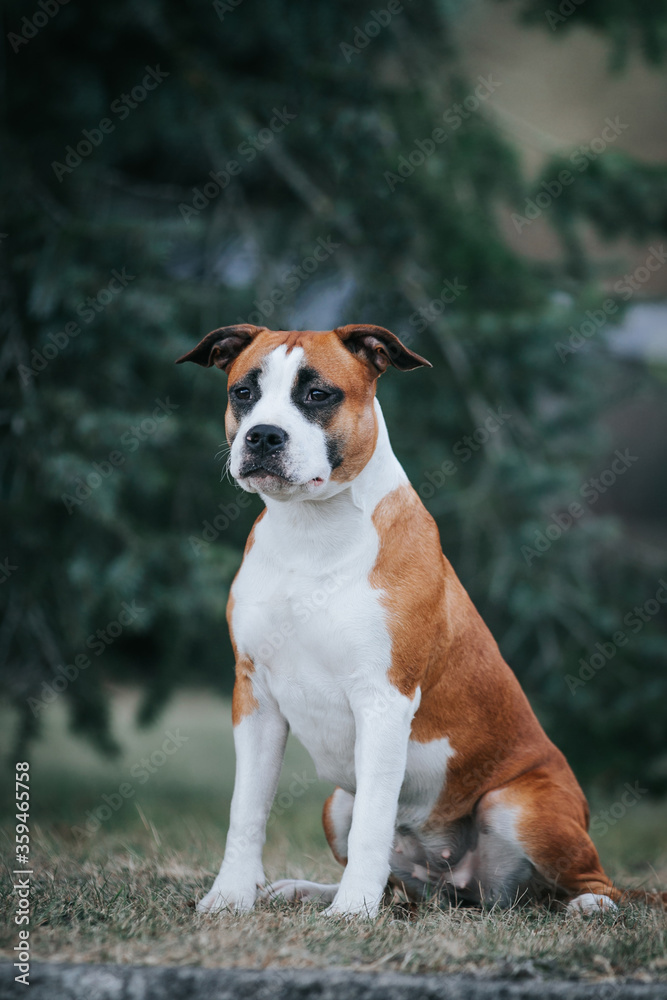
259,741
382,723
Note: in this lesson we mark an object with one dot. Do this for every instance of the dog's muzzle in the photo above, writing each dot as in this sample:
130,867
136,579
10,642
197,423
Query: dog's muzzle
264,452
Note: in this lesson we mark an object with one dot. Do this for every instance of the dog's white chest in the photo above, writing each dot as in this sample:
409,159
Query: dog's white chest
319,643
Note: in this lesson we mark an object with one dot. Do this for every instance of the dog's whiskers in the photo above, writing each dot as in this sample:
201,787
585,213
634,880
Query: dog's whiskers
226,472
225,454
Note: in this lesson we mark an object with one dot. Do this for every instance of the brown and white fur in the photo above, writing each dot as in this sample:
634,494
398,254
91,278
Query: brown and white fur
446,783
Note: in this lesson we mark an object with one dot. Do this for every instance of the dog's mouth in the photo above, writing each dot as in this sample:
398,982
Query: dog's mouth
268,480
261,472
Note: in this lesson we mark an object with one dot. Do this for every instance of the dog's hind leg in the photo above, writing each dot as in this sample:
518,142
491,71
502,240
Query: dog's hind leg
550,821
336,820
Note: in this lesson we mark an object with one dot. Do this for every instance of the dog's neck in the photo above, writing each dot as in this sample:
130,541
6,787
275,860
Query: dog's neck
332,523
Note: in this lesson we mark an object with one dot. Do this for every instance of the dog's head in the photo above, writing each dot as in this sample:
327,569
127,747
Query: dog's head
300,416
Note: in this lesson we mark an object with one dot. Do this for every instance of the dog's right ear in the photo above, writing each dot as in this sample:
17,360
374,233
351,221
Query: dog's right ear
222,347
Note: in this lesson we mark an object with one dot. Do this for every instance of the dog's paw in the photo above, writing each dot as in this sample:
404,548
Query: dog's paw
295,890
225,898
589,904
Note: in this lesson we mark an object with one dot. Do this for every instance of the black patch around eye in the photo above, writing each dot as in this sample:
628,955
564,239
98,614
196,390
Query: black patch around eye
250,381
318,411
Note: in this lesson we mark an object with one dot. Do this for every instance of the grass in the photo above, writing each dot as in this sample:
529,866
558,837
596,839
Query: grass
126,892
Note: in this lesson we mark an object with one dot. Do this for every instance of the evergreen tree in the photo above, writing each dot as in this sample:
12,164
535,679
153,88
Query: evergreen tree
171,168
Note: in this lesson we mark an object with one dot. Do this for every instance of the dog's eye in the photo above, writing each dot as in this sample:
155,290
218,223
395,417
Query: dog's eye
317,396
242,392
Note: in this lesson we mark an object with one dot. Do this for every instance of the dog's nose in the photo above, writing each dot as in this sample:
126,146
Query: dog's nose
265,439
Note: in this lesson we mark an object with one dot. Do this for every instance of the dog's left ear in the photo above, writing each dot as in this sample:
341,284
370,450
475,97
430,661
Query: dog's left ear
379,348
222,347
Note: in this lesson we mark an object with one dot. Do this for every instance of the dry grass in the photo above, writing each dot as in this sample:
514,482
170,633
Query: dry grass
131,902
125,894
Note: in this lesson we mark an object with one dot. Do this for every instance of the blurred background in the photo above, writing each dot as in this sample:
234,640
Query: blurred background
486,179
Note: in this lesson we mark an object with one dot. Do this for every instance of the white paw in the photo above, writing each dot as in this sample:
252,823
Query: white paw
589,904
294,890
228,898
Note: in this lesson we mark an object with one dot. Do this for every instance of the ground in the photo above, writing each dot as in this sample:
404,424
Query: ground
117,873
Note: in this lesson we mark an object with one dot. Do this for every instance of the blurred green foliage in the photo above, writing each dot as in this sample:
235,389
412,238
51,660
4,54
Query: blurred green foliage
111,459
627,25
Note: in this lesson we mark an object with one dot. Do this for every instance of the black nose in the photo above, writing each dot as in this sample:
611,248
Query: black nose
265,439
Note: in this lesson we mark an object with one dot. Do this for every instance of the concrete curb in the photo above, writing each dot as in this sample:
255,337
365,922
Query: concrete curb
56,981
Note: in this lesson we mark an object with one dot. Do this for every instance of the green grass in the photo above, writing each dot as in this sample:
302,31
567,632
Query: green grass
125,893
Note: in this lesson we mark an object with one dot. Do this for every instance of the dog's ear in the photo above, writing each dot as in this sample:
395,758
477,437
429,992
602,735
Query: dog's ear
379,348
222,347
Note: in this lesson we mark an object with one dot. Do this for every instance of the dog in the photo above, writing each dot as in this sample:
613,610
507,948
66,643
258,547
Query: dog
446,784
